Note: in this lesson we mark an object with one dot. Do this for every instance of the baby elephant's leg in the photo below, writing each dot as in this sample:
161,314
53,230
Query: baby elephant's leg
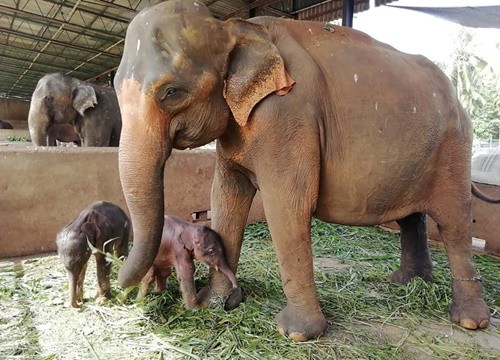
185,273
161,279
103,271
146,282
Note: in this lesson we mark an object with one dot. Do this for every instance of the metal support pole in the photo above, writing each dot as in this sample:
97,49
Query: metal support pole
347,12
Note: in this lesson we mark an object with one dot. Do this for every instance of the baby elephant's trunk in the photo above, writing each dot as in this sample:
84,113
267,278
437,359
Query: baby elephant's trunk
229,274
73,286
75,279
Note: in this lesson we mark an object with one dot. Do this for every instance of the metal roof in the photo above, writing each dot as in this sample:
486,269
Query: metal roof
84,38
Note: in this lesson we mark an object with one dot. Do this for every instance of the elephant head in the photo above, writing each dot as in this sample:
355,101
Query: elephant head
57,99
183,78
74,252
207,247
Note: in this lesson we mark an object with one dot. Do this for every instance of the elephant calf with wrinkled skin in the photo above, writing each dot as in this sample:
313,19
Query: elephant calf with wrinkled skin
106,227
181,243
91,110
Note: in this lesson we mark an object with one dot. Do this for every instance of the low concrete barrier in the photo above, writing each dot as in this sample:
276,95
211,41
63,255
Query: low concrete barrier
43,188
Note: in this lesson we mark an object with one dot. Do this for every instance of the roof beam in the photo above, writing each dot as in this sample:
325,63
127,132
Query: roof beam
11,11
49,54
116,6
4,71
278,12
20,68
94,78
59,68
254,5
86,11
58,42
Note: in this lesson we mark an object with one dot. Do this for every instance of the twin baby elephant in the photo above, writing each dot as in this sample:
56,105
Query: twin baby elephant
107,228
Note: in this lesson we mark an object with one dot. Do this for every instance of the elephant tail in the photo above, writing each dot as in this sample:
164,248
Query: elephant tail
476,192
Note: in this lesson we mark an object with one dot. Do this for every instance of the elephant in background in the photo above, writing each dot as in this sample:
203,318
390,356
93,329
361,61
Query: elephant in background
5,125
92,111
62,133
325,122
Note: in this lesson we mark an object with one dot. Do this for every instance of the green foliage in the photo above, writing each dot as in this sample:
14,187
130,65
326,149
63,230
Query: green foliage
477,87
368,317
17,138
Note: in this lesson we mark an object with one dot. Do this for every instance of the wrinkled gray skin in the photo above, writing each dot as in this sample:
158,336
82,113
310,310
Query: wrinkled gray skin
181,243
98,223
5,125
92,110
62,133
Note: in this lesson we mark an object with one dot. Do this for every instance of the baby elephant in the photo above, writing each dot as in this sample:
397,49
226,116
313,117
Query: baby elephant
181,243
98,223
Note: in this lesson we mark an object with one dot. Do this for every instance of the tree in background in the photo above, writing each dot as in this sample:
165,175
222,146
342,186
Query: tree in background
477,85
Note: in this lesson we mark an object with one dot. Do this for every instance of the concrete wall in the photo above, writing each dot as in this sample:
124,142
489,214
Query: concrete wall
14,109
42,189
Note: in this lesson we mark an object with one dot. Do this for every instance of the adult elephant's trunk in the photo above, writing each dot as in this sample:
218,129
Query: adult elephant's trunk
38,122
142,155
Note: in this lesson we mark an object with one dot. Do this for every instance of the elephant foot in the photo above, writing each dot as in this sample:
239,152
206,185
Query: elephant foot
301,324
101,299
470,313
208,297
76,304
403,275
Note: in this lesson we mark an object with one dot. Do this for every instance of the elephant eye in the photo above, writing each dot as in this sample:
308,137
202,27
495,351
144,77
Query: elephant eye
169,93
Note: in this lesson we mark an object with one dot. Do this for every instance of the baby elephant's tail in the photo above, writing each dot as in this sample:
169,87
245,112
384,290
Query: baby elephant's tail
480,195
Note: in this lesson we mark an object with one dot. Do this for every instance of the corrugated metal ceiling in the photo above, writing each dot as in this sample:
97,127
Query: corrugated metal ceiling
84,38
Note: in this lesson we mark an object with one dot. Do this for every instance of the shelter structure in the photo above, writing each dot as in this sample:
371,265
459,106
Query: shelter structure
85,38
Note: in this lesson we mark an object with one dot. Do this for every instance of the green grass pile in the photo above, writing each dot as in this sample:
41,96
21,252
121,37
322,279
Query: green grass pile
368,317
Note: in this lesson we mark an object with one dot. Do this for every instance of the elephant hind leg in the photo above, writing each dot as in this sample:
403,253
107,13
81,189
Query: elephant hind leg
453,215
415,258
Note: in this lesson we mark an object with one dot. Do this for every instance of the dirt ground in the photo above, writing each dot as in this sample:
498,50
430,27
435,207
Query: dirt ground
41,325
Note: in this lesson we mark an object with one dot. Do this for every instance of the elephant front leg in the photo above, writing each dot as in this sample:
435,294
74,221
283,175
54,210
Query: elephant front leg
232,195
290,228
103,284
185,273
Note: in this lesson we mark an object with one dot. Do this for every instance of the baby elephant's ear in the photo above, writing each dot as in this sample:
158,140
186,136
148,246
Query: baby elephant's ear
91,230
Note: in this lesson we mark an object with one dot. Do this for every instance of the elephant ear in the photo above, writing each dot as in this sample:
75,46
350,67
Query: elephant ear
84,97
255,70
92,231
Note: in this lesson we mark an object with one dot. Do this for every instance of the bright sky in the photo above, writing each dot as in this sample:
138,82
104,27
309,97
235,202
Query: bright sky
419,33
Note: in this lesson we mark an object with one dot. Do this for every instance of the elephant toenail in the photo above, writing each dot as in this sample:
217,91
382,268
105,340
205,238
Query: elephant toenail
484,324
468,324
298,336
281,331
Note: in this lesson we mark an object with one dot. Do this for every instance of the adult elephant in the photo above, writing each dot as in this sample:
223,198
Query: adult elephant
59,100
5,125
325,122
